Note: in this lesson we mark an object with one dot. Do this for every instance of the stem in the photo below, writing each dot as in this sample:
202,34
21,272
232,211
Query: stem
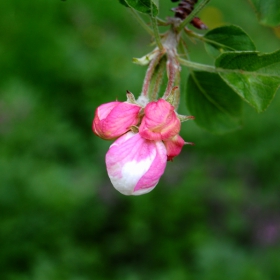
183,49
147,81
155,29
162,22
142,22
199,66
170,43
212,69
156,33
157,78
173,67
176,101
195,11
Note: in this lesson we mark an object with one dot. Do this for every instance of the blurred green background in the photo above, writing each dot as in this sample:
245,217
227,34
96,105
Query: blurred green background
214,215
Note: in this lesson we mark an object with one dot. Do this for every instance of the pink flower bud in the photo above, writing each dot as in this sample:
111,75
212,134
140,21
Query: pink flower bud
160,121
174,146
113,119
135,164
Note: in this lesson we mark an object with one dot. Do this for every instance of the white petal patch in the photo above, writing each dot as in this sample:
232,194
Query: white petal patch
131,173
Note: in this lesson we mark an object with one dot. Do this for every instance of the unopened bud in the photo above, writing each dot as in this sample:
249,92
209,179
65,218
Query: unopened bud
134,164
113,119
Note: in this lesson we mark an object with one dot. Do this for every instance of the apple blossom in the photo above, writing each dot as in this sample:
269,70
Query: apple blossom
134,164
113,119
160,121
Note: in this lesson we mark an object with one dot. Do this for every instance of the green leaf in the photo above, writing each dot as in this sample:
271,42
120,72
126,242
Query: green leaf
123,3
268,11
149,7
254,76
213,103
226,39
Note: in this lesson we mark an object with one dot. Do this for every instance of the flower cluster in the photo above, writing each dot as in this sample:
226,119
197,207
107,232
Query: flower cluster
146,138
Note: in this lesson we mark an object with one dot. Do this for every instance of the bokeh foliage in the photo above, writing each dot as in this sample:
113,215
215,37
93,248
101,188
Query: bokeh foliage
215,213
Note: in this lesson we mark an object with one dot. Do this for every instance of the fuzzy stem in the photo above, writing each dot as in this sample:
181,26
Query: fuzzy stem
149,73
157,79
177,92
199,66
173,68
155,28
156,33
161,22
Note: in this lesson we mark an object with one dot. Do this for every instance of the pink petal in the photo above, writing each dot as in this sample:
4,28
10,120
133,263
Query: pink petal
160,121
134,164
174,146
114,119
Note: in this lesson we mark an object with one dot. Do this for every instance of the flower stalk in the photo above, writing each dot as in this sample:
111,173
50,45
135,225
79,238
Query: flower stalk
173,71
149,73
157,79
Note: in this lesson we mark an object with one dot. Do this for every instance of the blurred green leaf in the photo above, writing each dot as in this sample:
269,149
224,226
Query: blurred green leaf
268,11
254,76
214,104
227,38
149,7
123,3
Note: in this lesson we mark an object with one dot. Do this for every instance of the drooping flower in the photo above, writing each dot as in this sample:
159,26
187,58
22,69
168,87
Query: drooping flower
160,121
134,164
113,119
